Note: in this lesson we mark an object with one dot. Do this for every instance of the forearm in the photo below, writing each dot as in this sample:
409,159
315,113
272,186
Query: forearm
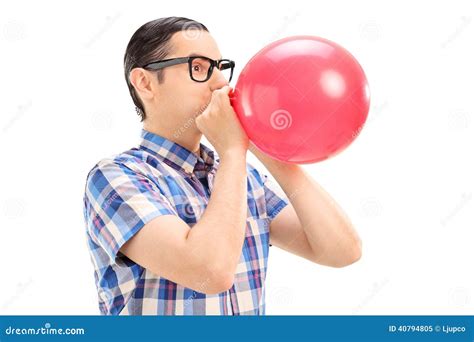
329,231
219,234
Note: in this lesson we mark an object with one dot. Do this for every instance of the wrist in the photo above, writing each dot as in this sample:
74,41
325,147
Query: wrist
235,153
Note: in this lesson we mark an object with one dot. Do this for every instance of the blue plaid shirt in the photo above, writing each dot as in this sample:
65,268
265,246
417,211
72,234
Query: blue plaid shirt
160,177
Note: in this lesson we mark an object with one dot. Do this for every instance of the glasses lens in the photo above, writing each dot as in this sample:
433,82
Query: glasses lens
200,68
225,68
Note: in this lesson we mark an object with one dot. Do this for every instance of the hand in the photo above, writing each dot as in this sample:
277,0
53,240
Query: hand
220,125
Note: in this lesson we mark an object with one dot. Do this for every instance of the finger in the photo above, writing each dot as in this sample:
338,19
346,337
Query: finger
224,90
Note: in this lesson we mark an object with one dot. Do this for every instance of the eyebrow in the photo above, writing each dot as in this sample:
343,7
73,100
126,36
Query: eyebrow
194,54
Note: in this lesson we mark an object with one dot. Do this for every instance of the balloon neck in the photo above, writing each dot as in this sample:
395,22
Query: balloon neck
232,97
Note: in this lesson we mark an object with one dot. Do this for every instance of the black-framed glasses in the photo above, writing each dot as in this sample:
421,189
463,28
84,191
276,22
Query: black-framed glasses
200,67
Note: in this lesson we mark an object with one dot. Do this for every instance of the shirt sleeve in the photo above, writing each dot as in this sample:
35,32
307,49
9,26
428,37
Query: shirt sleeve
275,198
118,203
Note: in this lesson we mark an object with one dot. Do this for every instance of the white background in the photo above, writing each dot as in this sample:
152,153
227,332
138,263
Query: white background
406,182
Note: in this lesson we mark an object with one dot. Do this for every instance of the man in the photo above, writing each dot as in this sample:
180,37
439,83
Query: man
172,228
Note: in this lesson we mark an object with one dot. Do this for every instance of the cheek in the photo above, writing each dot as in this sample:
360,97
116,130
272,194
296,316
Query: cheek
190,99
196,93
189,96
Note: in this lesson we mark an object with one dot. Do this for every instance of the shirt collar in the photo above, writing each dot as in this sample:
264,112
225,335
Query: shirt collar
177,156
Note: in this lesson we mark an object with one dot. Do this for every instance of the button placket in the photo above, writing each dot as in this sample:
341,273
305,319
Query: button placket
210,180
199,186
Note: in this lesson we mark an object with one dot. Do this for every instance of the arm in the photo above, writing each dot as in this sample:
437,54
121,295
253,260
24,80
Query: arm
204,257
312,226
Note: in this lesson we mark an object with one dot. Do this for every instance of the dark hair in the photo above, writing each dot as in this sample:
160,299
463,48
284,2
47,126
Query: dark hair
149,43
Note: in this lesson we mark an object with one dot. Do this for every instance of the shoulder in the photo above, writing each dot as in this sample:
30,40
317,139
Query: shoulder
113,165
133,162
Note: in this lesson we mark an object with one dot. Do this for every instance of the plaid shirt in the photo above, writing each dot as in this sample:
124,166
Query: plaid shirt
160,177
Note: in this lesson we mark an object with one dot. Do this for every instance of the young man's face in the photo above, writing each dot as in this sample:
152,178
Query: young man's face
180,99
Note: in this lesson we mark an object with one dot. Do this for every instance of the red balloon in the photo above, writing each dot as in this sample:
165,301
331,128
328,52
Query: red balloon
302,99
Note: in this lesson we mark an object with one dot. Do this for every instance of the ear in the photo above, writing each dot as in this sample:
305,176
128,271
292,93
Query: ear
142,81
